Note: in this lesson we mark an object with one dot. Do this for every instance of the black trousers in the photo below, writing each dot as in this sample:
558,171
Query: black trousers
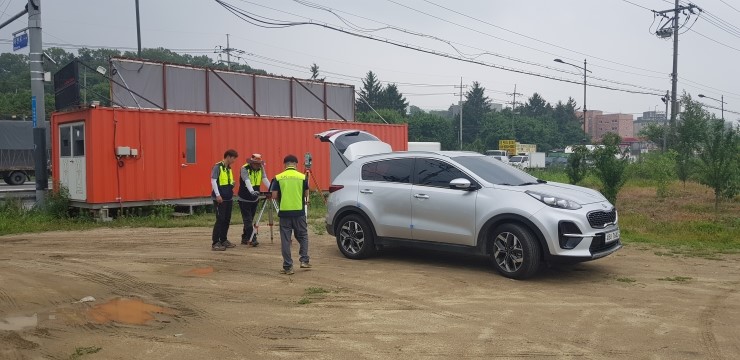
248,210
223,218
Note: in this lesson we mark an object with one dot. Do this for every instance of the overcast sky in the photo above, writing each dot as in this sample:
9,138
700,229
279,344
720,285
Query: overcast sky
613,35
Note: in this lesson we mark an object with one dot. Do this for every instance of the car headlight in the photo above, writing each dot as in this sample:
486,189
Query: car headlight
554,201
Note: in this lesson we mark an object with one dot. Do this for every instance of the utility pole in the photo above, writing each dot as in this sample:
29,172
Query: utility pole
228,52
664,32
513,107
37,100
460,104
665,99
138,31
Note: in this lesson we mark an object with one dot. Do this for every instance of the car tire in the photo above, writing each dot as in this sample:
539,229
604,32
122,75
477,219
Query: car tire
355,237
515,252
16,178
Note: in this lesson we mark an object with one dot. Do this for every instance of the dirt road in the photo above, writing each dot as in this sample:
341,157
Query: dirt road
162,294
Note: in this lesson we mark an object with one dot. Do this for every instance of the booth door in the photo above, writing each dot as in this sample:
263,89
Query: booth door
196,161
72,164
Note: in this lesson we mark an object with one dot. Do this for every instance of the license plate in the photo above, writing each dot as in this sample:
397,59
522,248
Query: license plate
611,236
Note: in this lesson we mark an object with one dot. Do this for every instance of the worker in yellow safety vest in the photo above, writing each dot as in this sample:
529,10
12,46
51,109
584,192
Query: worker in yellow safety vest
222,194
251,176
290,188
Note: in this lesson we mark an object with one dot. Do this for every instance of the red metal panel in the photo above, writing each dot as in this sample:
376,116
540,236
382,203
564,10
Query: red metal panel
155,134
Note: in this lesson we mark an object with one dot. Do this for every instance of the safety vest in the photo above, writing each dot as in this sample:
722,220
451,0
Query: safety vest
255,176
225,181
291,192
225,176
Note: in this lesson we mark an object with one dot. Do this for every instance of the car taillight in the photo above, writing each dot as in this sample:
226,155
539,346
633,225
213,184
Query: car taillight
333,188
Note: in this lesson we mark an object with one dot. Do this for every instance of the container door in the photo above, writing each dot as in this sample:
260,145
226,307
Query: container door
72,164
195,160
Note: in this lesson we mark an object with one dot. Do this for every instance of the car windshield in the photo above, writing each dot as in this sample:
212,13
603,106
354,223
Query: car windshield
516,159
494,171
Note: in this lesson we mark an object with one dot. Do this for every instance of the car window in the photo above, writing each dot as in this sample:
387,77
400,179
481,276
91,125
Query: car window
392,170
431,172
494,171
342,142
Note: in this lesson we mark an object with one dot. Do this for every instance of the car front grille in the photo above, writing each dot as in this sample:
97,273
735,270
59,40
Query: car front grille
599,219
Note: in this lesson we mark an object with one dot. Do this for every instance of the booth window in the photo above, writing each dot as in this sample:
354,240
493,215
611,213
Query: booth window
78,140
65,143
190,145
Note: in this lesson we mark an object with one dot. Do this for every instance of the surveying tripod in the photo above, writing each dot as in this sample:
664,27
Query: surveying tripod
256,224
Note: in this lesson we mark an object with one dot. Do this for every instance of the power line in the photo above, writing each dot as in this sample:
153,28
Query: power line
715,41
250,18
531,38
732,7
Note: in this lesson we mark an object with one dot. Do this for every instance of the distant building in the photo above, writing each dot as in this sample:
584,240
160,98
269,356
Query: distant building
648,117
620,124
590,120
496,107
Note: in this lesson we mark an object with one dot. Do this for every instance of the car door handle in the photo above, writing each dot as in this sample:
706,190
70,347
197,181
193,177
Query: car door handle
421,196
184,165
366,191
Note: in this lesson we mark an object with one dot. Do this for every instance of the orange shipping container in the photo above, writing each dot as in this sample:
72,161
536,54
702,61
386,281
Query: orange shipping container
131,157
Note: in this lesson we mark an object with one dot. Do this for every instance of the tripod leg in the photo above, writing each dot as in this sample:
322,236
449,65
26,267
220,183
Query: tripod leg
257,222
269,214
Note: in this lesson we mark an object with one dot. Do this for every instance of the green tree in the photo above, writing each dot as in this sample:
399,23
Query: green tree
689,134
536,106
610,169
413,109
391,116
654,133
370,93
577,168
661,167
390,98
315,73
475,107
720,161
429,127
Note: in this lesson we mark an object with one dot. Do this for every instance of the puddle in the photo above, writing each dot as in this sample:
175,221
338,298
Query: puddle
126,311
200,271
17,323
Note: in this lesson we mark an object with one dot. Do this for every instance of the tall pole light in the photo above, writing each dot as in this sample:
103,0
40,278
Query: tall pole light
721,101
585,70
138,29
666,99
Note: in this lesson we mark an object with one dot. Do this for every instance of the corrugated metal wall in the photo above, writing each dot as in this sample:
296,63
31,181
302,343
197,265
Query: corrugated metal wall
155,174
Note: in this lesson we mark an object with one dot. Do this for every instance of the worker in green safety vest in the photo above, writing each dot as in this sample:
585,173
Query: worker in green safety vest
290,188
222,194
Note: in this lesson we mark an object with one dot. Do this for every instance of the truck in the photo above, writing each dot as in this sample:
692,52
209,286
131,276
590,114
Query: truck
535,160
16,151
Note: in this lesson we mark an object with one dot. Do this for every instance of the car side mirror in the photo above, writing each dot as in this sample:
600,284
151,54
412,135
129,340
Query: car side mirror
460,183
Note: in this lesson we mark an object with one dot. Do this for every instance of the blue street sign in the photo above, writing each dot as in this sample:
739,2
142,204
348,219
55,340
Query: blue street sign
33,110
20,41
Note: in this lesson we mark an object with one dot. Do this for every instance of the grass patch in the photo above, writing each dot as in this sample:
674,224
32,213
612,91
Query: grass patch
311,294
626,280
315,290
676,278
82,351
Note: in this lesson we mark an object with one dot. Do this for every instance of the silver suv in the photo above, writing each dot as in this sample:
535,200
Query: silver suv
465,202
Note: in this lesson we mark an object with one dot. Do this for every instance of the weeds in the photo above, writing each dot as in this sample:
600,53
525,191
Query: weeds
676,279
82,351
304,301
315,290
626,280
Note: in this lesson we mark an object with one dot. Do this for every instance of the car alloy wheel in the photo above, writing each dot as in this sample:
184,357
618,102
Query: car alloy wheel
352,237
508,252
